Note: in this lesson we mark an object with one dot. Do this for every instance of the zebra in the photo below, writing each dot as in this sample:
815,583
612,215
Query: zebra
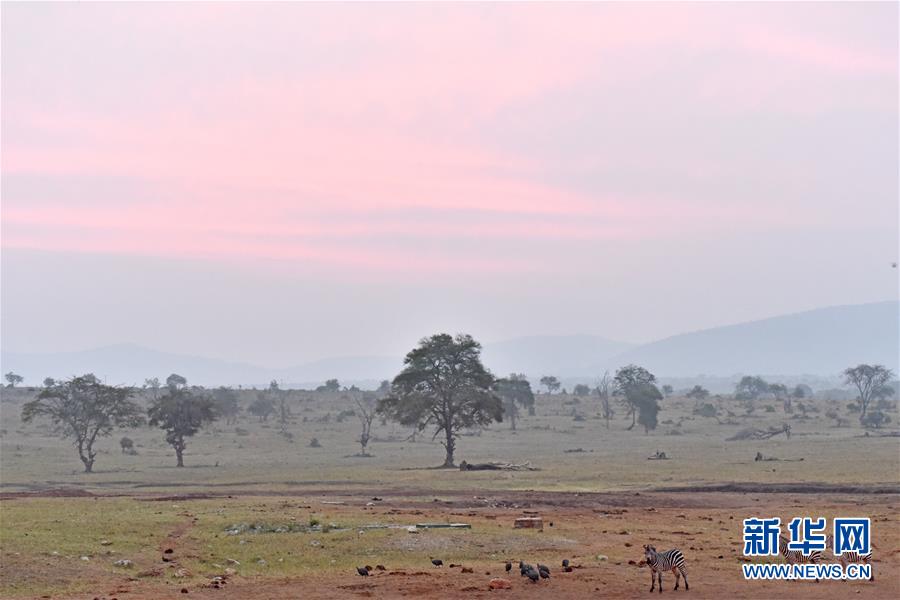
796,557
670,560
850,557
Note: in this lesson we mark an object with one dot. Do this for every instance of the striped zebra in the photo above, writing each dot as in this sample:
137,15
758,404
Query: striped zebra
796,557
670,560
850,557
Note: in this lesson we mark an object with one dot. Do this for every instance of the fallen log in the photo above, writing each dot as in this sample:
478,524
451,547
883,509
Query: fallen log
496,466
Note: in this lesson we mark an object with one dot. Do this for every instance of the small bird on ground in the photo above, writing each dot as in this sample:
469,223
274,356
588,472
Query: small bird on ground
545,574
565,562
437,562
362,571
543,568
532,575
508,567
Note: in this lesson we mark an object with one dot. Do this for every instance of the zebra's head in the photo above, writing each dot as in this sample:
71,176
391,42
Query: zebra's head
649,551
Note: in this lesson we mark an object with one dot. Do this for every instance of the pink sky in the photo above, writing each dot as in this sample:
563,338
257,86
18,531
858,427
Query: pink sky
383,141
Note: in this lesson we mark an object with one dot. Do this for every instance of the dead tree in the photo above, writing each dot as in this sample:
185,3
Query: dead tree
365,410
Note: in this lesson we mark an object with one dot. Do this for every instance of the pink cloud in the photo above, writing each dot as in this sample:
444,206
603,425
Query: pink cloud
300,153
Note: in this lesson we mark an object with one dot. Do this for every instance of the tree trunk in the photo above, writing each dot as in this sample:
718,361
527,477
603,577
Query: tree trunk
87,459
450,446
179,446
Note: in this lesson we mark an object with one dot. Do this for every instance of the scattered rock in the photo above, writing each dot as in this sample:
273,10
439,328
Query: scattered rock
105,543
85,558
499,583
181,573
603,557
231,561
466,570
168,551
184,590
124,562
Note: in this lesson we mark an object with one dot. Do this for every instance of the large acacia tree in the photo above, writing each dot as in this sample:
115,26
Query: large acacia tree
870,381
515,391
632,378
181,412
84,409
445,386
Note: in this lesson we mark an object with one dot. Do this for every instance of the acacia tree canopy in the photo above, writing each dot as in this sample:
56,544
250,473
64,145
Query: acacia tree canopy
181,413
632,377
445,386
870,381
515,391
84,409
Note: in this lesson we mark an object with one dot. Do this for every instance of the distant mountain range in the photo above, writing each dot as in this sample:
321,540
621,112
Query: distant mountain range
816,342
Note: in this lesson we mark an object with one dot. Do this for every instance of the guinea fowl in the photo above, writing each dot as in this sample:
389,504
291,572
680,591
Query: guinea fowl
532,575
544,574
437,562
362,571
565,562
508,567
543,567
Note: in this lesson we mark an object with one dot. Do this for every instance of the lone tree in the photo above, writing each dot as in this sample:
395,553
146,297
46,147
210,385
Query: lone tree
127,445
871,381
667,390
365,410
152,384
604,388
750,388
632,377
645,397
443,385
181,413
581,389
514,391
227,404
83,409
13,379
49,382
550,382
262,407
331,385
698,393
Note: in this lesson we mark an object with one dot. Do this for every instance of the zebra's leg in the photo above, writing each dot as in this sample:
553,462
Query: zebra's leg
660,582
677,577
652,580
684,574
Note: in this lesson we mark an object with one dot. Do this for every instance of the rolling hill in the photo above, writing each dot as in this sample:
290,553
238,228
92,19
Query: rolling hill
816,342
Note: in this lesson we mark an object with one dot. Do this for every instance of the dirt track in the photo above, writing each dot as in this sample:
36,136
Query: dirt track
704,525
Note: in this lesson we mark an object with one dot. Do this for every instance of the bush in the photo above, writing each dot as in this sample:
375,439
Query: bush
874,420
706,410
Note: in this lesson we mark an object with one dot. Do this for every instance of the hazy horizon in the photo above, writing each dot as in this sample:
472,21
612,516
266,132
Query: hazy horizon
276,184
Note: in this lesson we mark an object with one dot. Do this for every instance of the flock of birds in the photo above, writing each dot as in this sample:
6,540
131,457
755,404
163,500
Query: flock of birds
533,573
